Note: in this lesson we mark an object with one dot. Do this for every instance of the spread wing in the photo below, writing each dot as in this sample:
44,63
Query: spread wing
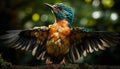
87,42
30,40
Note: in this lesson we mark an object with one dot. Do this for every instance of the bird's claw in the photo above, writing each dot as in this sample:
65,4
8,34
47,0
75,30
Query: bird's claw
63,61
48,61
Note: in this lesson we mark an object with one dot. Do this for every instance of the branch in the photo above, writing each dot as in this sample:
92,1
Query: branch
66,66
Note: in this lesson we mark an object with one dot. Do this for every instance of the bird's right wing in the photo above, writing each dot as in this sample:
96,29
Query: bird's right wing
83,42
30,40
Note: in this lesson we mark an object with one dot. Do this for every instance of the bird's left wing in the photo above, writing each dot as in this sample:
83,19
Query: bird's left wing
30,40
83,42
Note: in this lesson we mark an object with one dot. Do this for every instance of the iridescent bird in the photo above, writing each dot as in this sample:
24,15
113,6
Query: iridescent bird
59,41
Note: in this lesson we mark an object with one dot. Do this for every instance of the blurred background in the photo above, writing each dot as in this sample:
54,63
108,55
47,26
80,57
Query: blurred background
93,14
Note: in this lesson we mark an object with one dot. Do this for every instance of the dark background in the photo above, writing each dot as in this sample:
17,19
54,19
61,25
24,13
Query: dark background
94,14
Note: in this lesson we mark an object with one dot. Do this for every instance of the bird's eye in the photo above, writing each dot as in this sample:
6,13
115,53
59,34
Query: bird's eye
67,15
58,7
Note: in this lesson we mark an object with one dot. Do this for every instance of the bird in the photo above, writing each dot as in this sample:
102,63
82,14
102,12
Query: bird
60,42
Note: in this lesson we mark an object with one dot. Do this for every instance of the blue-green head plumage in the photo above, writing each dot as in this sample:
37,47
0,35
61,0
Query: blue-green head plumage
62,11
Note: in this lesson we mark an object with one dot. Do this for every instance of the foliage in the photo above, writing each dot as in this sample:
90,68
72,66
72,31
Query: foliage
4,64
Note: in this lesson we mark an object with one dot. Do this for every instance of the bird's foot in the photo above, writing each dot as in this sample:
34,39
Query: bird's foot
48,61
63,61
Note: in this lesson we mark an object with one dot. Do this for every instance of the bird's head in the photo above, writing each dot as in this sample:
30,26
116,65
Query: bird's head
62,11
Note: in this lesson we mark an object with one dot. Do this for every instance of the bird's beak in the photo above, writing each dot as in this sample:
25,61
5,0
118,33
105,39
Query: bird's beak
51,7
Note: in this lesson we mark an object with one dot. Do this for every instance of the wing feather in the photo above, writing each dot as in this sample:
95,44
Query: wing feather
30,40
83,42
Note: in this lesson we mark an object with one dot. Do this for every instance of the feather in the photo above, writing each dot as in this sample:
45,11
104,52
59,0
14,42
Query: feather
88,42
34,51
29,40
78,54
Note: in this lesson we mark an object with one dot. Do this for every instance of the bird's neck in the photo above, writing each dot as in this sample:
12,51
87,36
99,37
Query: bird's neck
62,23
60,26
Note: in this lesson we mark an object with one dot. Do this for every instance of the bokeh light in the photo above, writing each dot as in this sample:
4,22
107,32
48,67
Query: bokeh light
83,21
44,17
21,15
91,23
29,10
108,3
114,16
28,25
96,3
88,1
96,14
35,17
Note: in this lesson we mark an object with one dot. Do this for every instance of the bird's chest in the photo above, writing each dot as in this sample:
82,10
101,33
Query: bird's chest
58,41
